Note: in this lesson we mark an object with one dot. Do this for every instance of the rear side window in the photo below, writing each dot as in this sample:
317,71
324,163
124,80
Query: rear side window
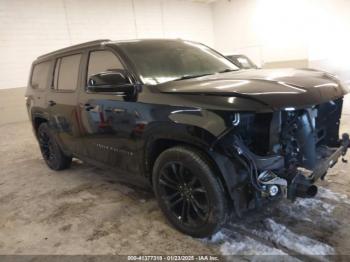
67,72
102,61
40,75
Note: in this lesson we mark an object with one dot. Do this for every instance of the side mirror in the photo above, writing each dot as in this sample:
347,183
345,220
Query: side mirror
111,81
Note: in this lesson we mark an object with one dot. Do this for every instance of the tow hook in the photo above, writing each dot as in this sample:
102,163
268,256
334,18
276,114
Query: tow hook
272,184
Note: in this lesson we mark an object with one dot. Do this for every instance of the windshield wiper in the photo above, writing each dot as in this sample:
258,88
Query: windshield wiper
228,70
190,77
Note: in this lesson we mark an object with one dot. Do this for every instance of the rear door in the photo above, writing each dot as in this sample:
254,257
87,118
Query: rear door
62,102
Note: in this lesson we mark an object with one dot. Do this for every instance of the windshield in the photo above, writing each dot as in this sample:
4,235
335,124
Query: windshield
159,61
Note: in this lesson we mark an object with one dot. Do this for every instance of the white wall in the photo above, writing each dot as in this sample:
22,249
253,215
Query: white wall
280,30
266,30
233,28
329,37
29,28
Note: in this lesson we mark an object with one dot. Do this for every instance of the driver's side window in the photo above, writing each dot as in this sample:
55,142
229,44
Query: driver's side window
102,61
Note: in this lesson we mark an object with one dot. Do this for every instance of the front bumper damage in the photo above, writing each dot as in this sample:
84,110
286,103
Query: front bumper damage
269,176
302,185
330,160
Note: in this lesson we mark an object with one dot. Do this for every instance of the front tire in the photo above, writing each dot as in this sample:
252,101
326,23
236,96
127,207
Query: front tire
50,150
189,192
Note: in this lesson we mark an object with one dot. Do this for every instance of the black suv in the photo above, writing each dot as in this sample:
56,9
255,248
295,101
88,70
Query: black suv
211,140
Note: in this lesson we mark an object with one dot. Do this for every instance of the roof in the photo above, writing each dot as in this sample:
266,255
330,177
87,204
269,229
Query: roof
75,47
143,40
100,42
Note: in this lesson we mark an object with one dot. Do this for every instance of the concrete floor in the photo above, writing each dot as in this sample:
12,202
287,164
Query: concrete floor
85,210
12,105
82,210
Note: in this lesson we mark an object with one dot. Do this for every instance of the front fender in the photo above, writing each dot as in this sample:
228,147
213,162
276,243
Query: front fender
203,119
170,134
179,133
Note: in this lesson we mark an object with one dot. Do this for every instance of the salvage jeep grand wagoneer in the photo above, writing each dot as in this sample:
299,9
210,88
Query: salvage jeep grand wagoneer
210,139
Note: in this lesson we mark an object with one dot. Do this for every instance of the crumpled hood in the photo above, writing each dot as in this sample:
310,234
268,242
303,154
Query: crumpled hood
274,88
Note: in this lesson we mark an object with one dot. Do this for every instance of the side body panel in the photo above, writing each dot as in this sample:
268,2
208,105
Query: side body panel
117,131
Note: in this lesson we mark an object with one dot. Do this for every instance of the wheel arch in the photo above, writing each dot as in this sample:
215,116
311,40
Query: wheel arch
222,165
37,120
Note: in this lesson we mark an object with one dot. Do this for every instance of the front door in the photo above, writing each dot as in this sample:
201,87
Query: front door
108,120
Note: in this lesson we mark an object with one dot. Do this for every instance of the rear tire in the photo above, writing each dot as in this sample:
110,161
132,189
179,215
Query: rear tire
50,150
189,192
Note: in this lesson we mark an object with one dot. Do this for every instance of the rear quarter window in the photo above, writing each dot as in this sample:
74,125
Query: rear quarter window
40,75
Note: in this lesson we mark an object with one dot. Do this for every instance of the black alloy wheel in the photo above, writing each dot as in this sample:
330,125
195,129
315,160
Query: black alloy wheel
50,150
46,145
188,191
184,194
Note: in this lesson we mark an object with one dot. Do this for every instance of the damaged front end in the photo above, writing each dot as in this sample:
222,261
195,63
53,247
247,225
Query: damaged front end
282,154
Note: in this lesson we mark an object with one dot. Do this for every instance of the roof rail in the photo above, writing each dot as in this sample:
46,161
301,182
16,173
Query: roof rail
73,47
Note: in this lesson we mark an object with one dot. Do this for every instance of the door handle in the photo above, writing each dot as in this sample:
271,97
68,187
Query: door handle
52,103
118,110
88,107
